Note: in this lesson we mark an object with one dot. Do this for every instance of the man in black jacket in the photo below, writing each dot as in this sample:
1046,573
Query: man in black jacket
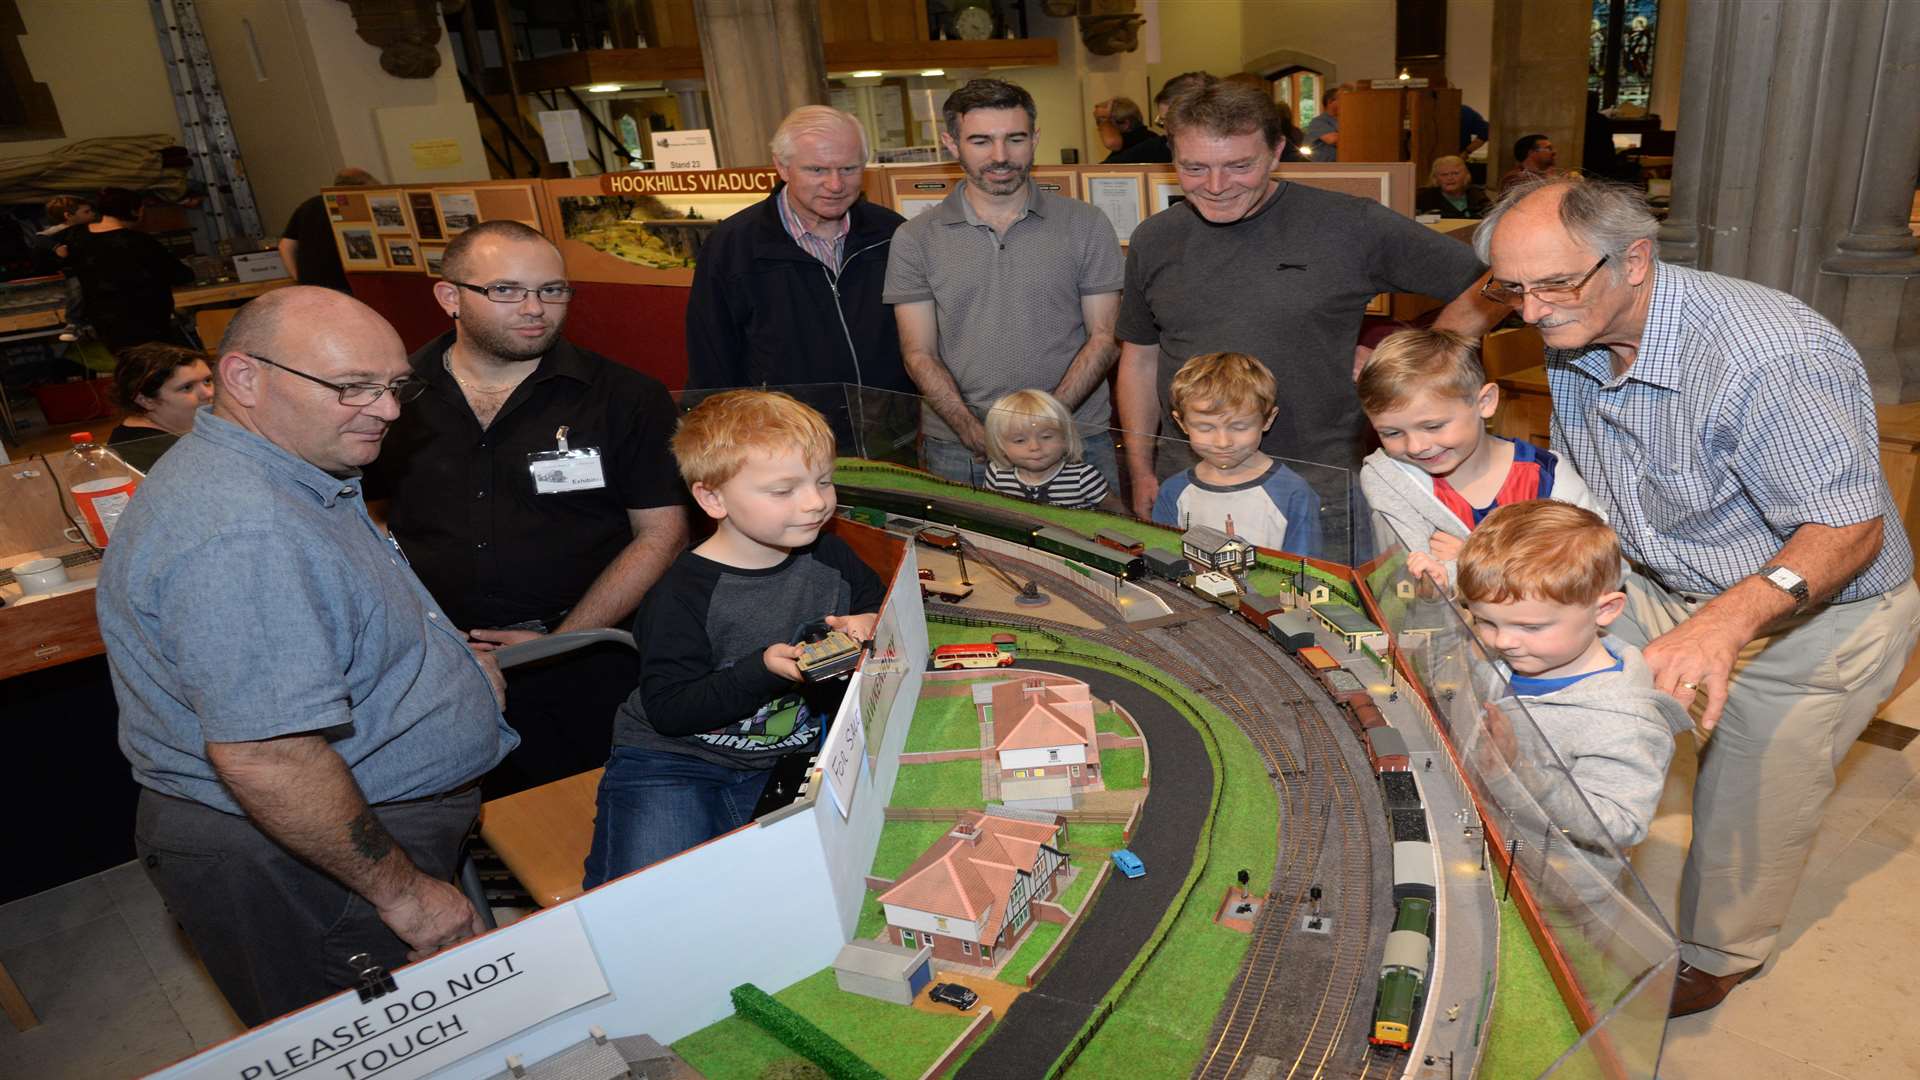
787,292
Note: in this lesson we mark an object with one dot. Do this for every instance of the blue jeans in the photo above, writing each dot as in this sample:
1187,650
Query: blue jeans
655,804
953,461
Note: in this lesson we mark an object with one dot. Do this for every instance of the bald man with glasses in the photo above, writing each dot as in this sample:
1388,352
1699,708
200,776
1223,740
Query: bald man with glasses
306,724
532,488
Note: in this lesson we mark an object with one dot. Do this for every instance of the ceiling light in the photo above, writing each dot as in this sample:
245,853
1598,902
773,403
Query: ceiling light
1404,75
603,88
865,74
933,73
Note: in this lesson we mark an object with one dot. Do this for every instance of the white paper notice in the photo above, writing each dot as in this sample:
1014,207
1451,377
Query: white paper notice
446,1008
846,749
684,150
1119,198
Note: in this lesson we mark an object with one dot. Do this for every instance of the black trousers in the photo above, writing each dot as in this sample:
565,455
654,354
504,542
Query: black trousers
563,709
274,932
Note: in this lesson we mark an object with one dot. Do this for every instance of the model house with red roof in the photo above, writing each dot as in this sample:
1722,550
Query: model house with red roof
1045,737
970,896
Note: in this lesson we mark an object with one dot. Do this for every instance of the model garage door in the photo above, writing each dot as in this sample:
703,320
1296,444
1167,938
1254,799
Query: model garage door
917,981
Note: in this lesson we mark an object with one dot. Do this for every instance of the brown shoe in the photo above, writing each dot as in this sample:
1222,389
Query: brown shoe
1697,991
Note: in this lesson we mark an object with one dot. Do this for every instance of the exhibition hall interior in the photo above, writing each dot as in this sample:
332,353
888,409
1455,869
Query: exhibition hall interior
766,539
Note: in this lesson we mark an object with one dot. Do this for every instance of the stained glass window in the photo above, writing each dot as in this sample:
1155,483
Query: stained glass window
1620,50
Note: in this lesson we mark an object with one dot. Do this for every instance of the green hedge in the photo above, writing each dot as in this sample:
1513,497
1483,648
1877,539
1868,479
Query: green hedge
799,1034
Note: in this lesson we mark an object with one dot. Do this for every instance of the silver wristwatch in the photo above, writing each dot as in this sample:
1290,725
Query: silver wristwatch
1787,582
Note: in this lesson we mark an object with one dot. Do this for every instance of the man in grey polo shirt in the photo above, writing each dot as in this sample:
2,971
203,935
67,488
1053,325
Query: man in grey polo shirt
1003,287
306,727
1729,431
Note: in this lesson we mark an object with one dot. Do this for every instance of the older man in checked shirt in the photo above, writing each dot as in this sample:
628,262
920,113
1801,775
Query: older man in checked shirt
1730,433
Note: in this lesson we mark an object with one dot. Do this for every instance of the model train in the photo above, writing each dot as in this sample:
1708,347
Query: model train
871,505
1409,954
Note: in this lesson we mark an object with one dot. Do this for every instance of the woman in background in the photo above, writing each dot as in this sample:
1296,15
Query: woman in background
160,386
1453,194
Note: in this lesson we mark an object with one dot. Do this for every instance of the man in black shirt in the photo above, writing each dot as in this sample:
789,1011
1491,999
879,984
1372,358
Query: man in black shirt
531,486
306,245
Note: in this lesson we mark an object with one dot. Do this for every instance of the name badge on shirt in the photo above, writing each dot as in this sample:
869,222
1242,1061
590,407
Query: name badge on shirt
556,471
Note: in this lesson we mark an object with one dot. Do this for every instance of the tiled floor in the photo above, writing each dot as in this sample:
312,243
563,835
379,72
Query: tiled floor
1837,999
119,992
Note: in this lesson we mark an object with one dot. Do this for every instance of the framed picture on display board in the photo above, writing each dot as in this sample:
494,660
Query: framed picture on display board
1122,196
403,253
1166,191
915,192
359,248
458,211
431,256
645,228
387,213
426,216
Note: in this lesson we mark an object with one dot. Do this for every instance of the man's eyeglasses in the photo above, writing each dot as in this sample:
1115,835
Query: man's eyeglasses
1546,294
514,294
358,394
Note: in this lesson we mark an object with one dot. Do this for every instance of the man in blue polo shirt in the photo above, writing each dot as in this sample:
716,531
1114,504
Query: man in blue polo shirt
306,725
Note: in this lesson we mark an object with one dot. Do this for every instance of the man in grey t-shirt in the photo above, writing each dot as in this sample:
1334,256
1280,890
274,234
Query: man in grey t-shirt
1003,287
1280,271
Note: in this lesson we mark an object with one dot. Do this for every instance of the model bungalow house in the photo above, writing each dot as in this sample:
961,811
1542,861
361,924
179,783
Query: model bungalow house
1044,735
971,894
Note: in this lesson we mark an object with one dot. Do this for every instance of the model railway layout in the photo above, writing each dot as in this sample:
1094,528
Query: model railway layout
1310,990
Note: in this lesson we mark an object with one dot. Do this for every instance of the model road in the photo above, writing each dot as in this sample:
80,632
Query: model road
1040,1024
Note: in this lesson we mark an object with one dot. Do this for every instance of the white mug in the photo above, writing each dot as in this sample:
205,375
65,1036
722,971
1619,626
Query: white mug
38,576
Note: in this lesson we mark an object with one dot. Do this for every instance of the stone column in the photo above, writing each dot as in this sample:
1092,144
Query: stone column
763,60
1539,79
1795,164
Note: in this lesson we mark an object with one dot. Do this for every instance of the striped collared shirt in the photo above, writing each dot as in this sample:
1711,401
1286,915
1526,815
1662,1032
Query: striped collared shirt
829,252
1744,416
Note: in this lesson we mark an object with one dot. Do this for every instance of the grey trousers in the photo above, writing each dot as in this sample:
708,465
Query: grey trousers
1798,700
274,932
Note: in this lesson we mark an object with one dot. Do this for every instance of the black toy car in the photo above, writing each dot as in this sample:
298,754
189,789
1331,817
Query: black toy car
953,994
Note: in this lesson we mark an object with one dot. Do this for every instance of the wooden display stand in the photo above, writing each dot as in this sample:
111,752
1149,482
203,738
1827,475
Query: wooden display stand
1401,124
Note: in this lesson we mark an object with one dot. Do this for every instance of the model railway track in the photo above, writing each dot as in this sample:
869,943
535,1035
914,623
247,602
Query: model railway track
1312,1045
1318,793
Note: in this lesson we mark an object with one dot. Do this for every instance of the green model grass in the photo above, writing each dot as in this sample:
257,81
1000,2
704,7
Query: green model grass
944,723
1530,1027
899,1040
901,842
1029,951
938,784
1123,769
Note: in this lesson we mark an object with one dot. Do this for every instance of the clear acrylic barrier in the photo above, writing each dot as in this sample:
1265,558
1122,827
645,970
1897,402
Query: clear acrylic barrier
885,426
1603,930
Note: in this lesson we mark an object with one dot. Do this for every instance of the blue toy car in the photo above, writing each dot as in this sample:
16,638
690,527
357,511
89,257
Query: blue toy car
1128,863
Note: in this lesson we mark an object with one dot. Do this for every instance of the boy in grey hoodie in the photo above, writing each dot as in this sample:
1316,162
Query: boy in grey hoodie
1541,579
1439,472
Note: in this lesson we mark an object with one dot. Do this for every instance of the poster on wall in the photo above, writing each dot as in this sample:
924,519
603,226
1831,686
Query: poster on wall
646,228
1121,197
387,213
426,219
458,211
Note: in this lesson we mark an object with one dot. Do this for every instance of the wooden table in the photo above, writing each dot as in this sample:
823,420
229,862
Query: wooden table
1526,410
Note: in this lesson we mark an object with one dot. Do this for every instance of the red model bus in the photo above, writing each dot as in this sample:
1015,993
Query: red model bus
976,655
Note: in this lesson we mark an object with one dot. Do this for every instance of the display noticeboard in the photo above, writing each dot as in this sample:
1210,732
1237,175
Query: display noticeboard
404,230
646,228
